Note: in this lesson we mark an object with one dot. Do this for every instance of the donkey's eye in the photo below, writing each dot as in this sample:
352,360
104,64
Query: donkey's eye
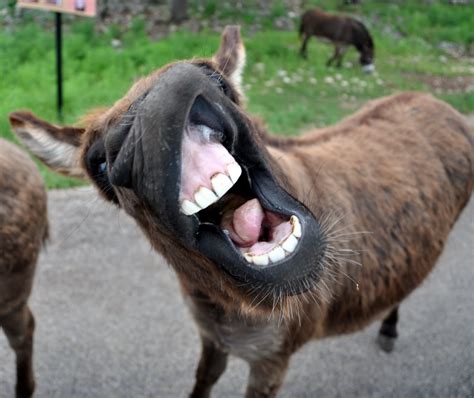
102,167
96,164
96,160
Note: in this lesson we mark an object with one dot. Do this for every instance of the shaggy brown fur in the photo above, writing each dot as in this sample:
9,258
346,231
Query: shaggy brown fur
341,30
387,185
23,229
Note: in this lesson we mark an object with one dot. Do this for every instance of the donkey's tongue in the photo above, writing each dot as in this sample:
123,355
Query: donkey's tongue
244,224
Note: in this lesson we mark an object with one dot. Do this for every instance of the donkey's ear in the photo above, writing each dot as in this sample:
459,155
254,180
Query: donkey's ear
230,58
57,147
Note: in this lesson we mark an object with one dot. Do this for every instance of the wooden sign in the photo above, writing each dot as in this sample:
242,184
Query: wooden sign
85,8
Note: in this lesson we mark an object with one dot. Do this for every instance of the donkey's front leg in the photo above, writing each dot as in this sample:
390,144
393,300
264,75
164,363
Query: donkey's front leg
19,327
388,331
304,46
339,51
211,366
266,376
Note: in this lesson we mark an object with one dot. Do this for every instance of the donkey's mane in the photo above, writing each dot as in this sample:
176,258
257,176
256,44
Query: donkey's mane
361,35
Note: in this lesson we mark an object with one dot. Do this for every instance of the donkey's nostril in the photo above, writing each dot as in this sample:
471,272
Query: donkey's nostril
115,139
120,153
122,167
120,149
202,113
117,135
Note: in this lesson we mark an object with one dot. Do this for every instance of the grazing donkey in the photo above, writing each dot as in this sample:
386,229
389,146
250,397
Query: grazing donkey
341,30
274,241
23,230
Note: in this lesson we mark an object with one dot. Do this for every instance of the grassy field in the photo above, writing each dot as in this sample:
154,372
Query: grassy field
288,92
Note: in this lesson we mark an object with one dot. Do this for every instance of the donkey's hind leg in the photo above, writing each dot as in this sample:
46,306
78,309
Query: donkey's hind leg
334,55
340,54
304,46
388,331
211,366
19,328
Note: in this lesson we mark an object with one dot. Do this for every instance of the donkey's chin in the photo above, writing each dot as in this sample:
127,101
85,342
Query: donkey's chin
245,223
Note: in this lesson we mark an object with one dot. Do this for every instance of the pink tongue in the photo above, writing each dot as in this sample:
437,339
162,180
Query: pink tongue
245,223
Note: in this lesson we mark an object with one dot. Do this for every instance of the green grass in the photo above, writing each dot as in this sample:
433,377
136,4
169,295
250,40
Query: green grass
433,22
288,92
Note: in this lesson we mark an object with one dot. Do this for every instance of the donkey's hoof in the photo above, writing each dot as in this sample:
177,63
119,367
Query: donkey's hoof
25,390
386,343
24,394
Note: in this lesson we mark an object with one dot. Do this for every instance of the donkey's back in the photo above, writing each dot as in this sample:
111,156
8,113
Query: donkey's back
402,169
23,229
23,223
336,28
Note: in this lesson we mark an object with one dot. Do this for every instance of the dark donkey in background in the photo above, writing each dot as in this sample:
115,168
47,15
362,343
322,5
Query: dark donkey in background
341,30
23,230
274,241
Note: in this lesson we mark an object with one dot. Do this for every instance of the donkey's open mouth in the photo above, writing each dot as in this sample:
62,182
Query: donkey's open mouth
214,188
227,203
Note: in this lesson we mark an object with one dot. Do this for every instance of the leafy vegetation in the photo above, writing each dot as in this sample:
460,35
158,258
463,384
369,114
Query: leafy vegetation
287,91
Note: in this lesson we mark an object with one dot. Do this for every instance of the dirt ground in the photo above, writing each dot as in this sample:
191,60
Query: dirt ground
470,120
111,323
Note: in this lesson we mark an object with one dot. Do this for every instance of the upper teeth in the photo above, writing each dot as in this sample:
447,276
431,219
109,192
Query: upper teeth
282,250
204,197
234,171
221,184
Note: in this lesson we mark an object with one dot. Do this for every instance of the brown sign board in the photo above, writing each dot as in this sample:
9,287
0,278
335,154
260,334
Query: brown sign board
85,8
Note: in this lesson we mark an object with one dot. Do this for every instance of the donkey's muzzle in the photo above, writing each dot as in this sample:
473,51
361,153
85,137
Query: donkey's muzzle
144,148
144,154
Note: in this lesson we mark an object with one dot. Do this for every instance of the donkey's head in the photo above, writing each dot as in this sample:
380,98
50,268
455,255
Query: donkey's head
180,155
366,58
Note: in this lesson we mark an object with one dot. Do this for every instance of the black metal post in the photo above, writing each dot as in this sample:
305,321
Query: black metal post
59,65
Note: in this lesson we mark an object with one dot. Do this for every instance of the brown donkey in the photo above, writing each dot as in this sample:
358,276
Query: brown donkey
23,230
274,241
343,31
